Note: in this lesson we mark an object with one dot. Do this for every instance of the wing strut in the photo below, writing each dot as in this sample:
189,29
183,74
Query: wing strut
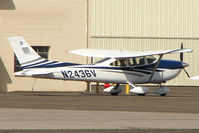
155,68
131,84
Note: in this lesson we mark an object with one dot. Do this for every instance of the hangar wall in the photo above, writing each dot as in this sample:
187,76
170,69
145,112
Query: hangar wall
139,25
60,24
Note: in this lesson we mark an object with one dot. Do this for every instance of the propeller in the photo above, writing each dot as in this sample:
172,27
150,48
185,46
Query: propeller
186,73
181,59
181,54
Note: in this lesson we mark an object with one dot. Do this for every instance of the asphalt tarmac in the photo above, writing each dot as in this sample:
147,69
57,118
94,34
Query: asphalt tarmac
178,112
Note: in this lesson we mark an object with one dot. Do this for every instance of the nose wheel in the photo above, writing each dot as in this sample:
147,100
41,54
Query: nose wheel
162,91
141,94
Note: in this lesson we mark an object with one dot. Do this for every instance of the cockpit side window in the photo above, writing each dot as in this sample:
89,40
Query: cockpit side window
132,61
141,61
122,62
135,61
150,59
115,63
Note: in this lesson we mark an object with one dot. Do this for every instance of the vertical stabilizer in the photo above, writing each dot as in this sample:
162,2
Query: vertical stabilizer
25,54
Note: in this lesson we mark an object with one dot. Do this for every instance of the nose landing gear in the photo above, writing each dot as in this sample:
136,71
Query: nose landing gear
162,91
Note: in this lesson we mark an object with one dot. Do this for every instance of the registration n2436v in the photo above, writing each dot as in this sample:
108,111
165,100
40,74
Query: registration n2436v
79,73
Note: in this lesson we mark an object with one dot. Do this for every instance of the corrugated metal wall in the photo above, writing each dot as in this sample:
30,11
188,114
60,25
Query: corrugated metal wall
147,25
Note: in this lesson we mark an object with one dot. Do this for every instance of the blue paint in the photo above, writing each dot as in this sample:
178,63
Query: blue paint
146,69
170,64
35,63
51,65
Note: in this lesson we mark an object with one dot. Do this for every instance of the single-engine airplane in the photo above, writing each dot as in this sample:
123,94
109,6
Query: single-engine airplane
118,67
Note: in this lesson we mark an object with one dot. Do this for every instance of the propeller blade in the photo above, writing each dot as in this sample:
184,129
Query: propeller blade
181,54
186,73
181,45
181,59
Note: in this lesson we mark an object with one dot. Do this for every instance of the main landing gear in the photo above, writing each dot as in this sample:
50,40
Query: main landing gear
142,91
113,90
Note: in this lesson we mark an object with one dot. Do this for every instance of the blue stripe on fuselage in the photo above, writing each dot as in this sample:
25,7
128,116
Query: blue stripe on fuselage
39,64
147,69
35,63
50,65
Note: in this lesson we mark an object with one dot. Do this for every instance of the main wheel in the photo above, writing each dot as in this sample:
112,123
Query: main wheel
163,94
115,94
142,94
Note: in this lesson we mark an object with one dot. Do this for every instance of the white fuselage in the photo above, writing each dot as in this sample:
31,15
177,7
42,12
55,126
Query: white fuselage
91,73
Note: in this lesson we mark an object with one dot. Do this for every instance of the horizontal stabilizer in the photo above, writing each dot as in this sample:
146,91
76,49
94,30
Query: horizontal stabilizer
33,72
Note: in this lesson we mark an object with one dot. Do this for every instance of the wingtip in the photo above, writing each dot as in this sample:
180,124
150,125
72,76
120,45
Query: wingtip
189,50
194,78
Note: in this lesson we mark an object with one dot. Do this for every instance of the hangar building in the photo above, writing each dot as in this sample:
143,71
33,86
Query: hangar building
53,27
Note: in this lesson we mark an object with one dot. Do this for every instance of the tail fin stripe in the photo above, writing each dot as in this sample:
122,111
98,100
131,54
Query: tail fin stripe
35,63
39,64
31,61
61,64
28,58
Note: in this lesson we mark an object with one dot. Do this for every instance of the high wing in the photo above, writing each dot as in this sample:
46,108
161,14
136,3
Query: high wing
123,54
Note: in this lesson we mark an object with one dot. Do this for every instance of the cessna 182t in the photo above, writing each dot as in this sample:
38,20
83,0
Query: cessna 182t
119,67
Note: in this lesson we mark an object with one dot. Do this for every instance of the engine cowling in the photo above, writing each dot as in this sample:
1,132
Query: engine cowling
140,90
113,90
